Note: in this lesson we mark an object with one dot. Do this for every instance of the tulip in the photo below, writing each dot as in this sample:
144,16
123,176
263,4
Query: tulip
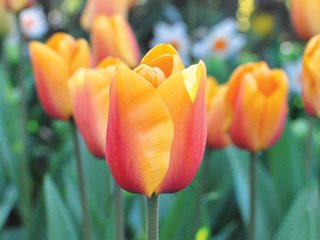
94,8
156,130
89,90
217,117
305,17
18,5
53,64
311,77
257,97
113,36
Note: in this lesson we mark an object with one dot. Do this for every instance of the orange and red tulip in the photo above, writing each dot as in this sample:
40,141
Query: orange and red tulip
113,36
257,97
94,8
53,63
89,90
217,115
18,5
311,77
305,17
157,128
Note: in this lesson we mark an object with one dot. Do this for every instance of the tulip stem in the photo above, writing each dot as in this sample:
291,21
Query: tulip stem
252,221
153,218
308,149
85,225
119,212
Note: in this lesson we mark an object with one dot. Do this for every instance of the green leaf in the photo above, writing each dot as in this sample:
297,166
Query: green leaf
268,207
59,222
9,199
303,218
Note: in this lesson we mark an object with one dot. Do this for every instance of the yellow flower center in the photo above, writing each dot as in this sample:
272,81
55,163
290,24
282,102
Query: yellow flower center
220,44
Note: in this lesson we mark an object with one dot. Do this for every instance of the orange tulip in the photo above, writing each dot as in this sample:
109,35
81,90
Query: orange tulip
218,119
94,8
53,64
257,96
305,17
156,130
89,90
311,77
18,5
113,36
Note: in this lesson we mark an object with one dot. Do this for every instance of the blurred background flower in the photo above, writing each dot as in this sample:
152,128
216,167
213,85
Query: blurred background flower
176,34
223,41
33,22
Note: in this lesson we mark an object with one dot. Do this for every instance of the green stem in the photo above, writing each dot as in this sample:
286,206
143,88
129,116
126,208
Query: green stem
85,225
252,221
308,149
153,218
119,212
25,178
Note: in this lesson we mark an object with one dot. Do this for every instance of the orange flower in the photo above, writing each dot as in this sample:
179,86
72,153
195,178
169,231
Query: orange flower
89,90
257,96
18,5
305,17
156,130
311,77
94,8
53,64
113,36
218,120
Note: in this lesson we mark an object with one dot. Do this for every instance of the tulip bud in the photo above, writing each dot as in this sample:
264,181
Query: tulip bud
18,5
113,36
94,8
257,97
311,77
156,130
53,63
217,117
89,90
305,17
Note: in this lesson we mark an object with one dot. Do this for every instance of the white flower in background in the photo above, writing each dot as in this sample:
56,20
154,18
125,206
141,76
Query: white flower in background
33,22
222,41
176,35
294,72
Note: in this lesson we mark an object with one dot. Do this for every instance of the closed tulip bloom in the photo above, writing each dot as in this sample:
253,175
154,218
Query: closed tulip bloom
113,36
53,63
94,8
305,17
18,5
311,77
156,130
257,97
90,102
217,115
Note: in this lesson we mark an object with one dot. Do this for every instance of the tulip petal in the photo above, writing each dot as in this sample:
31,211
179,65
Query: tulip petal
139,133
81,55
51,74
169,60
90,99
190,127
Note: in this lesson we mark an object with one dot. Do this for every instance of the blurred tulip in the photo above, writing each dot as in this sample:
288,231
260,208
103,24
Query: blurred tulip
311,77
217,117
113,36
90,102
53,64
94,8
156,130
7,20
18,5
305,17
257,96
